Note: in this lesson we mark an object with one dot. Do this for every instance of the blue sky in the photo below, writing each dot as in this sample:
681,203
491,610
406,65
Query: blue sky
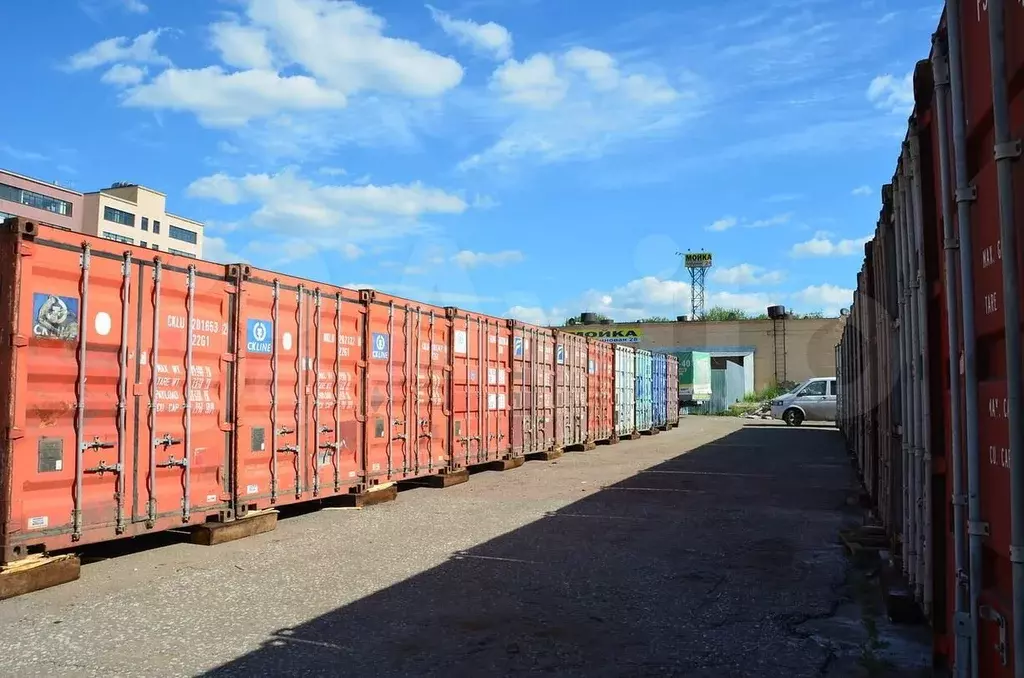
532,158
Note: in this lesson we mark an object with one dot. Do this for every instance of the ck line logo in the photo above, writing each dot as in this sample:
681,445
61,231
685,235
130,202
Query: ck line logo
381,344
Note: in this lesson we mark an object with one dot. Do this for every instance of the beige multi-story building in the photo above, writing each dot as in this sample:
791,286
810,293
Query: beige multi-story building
137,215
770,351
41,201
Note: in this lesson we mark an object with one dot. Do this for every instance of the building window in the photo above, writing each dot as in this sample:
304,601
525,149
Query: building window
156,227
118,238
156,247
33,199
182,234
144,243
118,216
5,215
145,224
181,253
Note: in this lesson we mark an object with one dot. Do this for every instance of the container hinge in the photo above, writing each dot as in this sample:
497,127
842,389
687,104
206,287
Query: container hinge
962,624
951,244
172,462
966,194
167,440
1009,150
97,444
1016,554
989,613
104,467
977,528
959,500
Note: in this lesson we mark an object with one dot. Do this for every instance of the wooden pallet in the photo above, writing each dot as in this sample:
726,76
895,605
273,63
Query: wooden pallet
38,572
256,522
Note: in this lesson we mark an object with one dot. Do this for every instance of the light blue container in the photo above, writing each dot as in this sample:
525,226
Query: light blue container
625,390
659,405
644,392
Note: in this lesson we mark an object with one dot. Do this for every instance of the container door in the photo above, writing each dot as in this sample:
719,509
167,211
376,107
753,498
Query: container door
181,353
431,394
391,428
468,395
496,423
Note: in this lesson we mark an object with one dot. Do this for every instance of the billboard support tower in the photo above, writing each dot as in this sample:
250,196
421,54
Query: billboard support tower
697,263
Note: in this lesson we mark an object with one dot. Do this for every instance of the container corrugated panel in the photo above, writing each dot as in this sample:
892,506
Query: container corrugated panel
113,376
659,407
481,371
298,411
570,389
600,390
989,304
644,393
625,390
672,389
406,432
533,400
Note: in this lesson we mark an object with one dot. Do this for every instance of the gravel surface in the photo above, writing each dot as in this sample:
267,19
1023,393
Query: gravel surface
702,551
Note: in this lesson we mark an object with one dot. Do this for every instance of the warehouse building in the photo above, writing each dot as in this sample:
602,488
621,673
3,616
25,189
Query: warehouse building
770,351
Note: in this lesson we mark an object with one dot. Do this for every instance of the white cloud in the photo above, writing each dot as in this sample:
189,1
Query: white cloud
534,82
140,50
333,171
490,38
242,46
343,44
123,75
135,6
725,223
485,202
334,217
892,94
221,99
470,259
827,298
746,274
217,249
861,190
288,56
821,245
784,197
580,103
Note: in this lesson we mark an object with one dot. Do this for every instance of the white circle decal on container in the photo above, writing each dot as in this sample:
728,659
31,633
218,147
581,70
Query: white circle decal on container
102,323
286,341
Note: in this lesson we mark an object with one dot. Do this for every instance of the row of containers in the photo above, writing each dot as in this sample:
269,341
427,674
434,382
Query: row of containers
144,391
929,365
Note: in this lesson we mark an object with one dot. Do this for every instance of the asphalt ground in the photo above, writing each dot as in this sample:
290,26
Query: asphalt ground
701,551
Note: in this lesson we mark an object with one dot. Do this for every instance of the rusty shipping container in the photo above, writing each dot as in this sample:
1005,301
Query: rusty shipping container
570,390
672,389
938,375
481,378
117,389
301,343
533,378
600,390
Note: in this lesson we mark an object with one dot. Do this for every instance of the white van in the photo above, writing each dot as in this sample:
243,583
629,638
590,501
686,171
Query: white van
813,400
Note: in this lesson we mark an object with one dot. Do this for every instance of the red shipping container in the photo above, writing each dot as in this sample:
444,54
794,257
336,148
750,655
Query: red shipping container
672,389
570,390
533,378
117,374
405,389
481,380
299,417
600,390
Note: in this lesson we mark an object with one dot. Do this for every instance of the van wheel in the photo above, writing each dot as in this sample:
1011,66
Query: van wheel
793,417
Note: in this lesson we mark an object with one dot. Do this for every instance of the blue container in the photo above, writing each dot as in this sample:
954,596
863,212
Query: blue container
644,391
659,404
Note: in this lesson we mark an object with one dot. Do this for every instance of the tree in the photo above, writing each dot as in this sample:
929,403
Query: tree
654,319
718,313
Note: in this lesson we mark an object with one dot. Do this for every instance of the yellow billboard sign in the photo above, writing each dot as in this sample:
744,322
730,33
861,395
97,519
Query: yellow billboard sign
615,335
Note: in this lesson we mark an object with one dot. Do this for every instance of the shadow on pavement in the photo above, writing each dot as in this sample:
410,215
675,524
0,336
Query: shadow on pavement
704,565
